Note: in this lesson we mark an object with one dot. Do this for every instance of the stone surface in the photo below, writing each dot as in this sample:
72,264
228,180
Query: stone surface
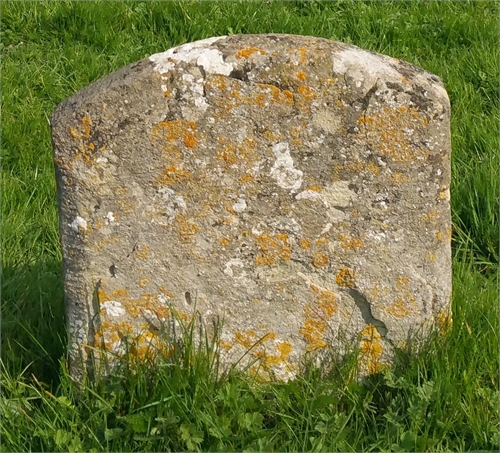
296,187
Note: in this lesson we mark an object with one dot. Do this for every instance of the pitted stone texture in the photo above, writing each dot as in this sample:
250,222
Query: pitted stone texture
296,187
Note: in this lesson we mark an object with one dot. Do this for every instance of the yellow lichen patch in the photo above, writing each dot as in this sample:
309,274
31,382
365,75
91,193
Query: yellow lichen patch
245,53
322,241
144,281
265,96
272,136
402,283
346,277
350,242
272,249
246,339
105,241
432,216
371,348
301,75
313,331
305,244
398,309
142,251
430,257
362,166
175,133
315,188
377,292
308,94
319,260
173,175
444,193
278,96
284,348
83,132
404,303
246,178
399,178
186,228
241,154
391,129
303,52
317,316
224,241
295,131
225,345
119,294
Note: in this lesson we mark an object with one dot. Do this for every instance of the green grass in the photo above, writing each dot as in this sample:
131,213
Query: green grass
444,399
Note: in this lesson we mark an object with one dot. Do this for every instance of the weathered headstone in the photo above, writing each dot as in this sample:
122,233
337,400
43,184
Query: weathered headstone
296,187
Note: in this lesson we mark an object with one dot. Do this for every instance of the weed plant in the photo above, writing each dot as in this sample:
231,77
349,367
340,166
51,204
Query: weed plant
444,398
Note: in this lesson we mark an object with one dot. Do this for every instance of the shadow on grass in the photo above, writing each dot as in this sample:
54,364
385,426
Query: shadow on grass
33,320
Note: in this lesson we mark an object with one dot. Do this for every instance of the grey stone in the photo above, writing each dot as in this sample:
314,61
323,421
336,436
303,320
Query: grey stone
295,187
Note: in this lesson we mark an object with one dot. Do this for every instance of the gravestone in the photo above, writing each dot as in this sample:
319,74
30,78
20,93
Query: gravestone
294,187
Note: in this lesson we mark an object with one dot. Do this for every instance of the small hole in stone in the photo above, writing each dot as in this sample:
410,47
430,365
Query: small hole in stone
187,295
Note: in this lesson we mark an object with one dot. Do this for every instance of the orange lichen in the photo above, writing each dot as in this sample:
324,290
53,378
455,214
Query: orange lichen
398,309
301,75
313,331
246,339
362,166
142,252
319,260
224,241
272,249
245,53
242,154
432,216
308,93
84,131
317,317
399,178
345,277
176,132
284,348
305,244
144,281
391,128
303,52
225,345
371,348
173,175
186,228
350,242
430,257
446,235
272,136
246,178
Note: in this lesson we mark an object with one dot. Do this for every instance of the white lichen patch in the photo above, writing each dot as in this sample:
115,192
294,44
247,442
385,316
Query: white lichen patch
373,65
174,204
308,195
110,217
283,171
240,205
78,224
228,268
338,195
198,53
113,308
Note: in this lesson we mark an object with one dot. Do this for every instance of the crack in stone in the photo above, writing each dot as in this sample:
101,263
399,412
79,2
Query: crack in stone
366,312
